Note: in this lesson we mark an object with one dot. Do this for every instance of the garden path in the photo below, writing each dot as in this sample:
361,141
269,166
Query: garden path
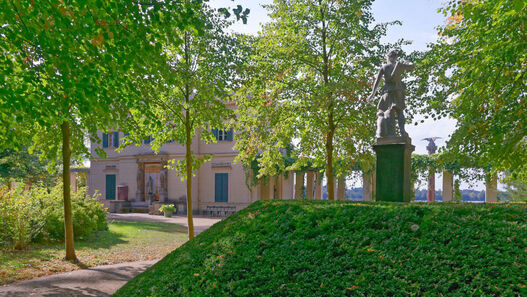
101,280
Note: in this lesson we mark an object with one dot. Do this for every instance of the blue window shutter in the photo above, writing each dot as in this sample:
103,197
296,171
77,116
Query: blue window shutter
229,135
215,132
115,139
225,187
110,187
104,140
148,140
217,187
221,187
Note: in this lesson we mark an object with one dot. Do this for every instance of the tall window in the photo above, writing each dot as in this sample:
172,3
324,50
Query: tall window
222,134
110,187
110,138
221,187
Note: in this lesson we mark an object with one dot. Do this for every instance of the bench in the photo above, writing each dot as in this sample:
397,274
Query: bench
216,211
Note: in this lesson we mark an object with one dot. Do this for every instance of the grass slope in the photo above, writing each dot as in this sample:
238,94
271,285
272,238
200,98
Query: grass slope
318,248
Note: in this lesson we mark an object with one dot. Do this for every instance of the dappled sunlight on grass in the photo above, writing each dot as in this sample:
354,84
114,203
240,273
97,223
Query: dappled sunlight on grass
123,242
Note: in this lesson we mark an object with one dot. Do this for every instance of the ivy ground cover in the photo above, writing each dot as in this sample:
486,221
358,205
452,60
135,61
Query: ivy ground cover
320,248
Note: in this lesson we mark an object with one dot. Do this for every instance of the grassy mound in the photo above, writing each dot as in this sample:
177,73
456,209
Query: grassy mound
295,248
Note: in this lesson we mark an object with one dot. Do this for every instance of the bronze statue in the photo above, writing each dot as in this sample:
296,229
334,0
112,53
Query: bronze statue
392,98
431,147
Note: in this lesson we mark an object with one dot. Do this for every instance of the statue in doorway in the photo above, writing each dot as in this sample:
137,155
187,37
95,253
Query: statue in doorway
392,102
150,188
140,179
163,178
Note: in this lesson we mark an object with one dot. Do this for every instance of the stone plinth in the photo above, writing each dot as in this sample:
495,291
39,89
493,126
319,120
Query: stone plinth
394,164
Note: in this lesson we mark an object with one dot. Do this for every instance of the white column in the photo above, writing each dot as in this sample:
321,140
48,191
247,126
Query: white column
264,190
309,185
288,186
491,189
367,186
341,189
73,182
299,185
272,185
334,188
448,186
318,185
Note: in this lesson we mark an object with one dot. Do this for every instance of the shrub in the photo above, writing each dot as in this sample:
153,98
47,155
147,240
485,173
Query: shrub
88,214
20,216
37,213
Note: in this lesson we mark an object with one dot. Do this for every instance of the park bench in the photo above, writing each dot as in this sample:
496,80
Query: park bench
217,211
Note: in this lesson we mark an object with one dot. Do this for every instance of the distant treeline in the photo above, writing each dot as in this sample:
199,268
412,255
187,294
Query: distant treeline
420,195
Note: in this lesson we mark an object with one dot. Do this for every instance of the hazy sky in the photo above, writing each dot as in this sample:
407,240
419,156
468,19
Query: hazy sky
419,21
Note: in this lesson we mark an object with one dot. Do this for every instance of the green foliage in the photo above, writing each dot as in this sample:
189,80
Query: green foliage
462,166
88,214
299,248
20,216
168,208
457,191
191,93
516,189
475,74
37,213
306,79
21,165
79,66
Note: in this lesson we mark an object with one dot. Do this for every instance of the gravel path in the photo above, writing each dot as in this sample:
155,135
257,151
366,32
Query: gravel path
101,280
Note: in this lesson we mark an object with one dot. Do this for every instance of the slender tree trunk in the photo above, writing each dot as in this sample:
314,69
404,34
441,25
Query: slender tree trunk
188,159
329,164
188,143
331,121
68,220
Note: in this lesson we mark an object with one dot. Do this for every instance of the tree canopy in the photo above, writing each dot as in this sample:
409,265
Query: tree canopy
475,74
306,83
78,67
191,96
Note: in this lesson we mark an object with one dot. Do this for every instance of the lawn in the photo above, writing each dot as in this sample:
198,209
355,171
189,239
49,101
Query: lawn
321,248
122,242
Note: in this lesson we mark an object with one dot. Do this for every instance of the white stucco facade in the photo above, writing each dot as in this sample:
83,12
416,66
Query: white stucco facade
133,167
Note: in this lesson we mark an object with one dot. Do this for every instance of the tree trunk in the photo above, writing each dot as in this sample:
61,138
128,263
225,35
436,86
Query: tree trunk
329,154
68,220
188,159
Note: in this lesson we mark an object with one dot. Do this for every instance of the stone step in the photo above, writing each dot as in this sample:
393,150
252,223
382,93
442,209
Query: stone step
134,210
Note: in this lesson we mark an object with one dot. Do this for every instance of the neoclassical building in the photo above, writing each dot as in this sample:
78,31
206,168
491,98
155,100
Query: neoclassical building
136,178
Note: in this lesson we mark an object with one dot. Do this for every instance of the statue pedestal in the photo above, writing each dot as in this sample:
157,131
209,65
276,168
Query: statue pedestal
394,165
